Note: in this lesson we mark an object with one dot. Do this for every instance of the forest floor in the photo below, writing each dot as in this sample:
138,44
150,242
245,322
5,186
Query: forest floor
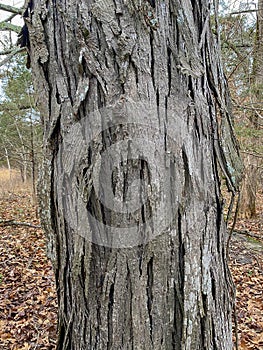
246,264
27,288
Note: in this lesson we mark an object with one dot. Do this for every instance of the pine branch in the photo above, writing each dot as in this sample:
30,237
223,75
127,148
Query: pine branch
9,26
11,9
6,52
17,107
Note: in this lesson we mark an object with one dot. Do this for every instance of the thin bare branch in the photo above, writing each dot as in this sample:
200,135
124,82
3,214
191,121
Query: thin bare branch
245,11
16,223
247,233
12,16
249,108
257,155
12,54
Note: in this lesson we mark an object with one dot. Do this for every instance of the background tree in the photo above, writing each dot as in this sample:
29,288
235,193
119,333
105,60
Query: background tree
241,49
253,155
19,120
20,131
129,93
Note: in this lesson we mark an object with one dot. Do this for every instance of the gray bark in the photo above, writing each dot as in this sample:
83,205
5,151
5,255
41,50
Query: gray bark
130,192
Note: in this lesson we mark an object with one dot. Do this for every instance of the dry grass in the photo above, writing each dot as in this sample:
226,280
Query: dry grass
12,182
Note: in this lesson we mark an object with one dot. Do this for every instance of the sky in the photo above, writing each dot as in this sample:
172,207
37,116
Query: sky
15,3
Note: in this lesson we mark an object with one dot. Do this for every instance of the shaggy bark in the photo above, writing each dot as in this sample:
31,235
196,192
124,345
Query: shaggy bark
142,81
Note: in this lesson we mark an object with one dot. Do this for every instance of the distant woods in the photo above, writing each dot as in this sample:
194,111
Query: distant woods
20,131
242,50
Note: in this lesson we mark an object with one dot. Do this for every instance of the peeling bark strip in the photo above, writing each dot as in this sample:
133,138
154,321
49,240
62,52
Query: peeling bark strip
130,194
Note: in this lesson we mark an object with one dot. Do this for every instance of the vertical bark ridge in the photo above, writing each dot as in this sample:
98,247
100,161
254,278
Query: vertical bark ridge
149,287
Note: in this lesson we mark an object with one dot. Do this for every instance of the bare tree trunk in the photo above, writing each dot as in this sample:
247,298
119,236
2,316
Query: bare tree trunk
247,207
257,88
33,162
130,194
8,164
250,182
23,154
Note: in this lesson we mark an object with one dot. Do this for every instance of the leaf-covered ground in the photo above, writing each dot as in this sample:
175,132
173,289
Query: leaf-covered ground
246,263
27,290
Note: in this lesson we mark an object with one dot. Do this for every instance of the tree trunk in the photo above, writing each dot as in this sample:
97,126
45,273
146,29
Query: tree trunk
249,187
130,197
257,78
8,164
247,207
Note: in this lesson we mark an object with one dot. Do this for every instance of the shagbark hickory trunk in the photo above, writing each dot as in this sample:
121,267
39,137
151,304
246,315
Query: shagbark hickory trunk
130,197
